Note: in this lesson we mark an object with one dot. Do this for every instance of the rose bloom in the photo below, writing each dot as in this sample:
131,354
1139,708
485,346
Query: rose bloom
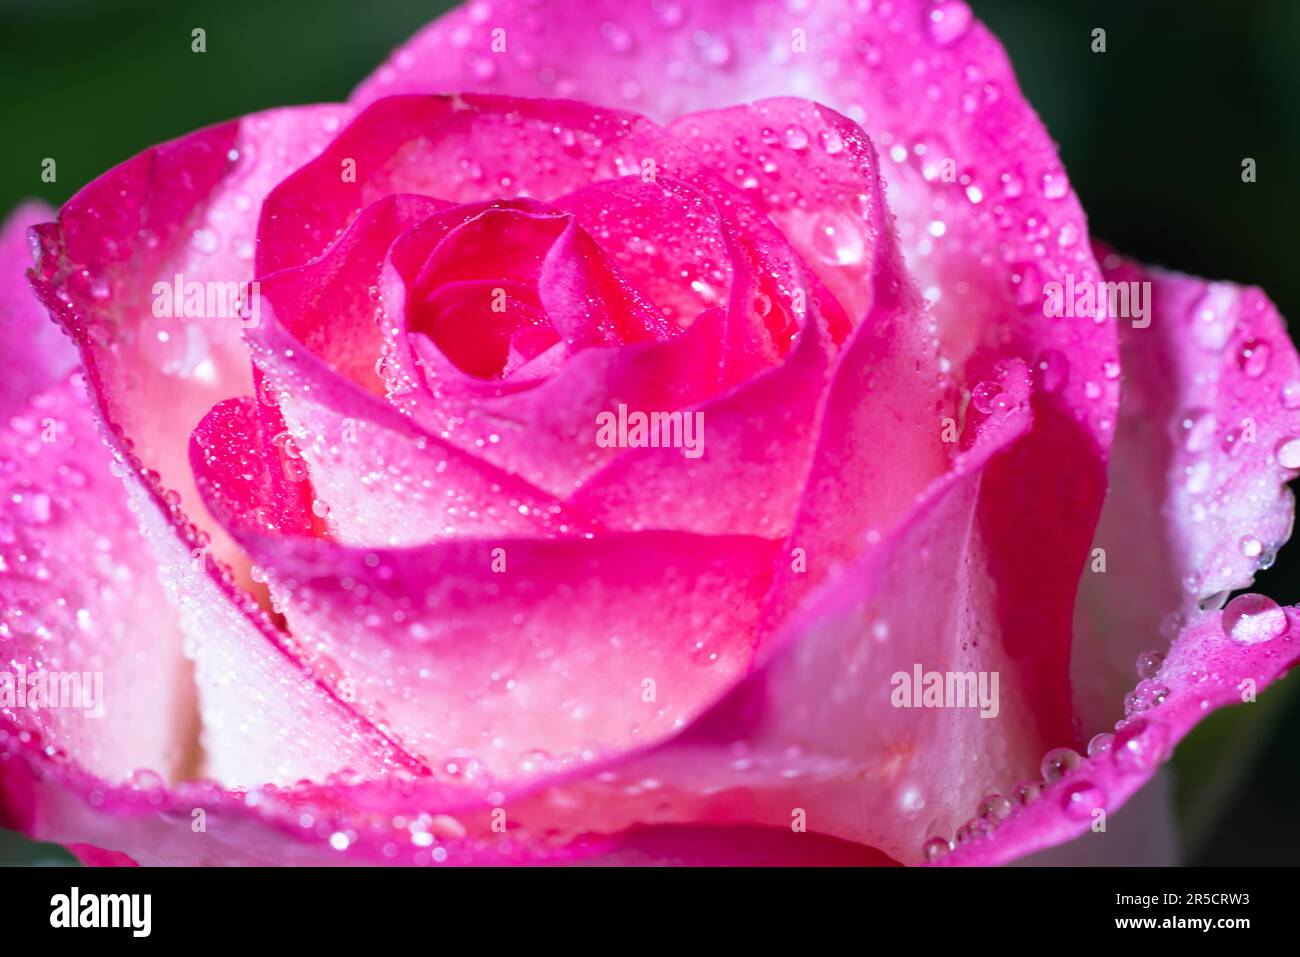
626,433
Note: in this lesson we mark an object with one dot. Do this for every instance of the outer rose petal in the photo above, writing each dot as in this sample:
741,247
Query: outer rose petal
1208,667
79,593
80,558
36,354
180,211
1198,498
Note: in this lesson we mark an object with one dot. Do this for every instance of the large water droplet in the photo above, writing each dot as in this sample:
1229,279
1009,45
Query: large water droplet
1051,370
948,21
1251,619
1100,744
1149,663
993,807
935,848
1057,763
984,396
837,239
1288,453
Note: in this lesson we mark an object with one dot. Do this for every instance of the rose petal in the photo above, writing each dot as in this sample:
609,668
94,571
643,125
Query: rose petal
1209,665
1198,498
378,478
178,219
459,149
498,650
38,354
81,598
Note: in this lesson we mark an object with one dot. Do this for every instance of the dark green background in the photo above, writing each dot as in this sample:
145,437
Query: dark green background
1152,133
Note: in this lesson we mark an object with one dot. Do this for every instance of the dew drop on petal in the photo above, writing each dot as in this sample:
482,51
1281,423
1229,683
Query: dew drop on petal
935,848
983,396
1288,453
1149,663
948,21
1081,799
1252,357
1057,763
1100,744
1051,370
1027,792
1251,619
837,240
993,806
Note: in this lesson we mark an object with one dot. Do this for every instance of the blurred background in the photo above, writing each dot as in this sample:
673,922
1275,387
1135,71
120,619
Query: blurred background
1152,133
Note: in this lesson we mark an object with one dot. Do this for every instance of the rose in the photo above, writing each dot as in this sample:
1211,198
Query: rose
382,595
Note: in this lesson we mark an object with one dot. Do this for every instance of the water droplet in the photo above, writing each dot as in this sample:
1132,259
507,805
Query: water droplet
1052,370
145,780
1135,703
1027,792
1252,357
1148,664
796,137
1137,745
1251,619
1055,184
1213,317
831,141
984,395
1057,763
1250,546
993,806
1197,427
1290,394
948,21
1081,799
935,848
837,239
1100,744
1288,453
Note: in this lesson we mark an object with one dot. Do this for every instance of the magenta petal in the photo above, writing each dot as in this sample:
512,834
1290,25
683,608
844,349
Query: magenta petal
496,659
1220,658
80,594
178,219
85,554
420,145
324,303
734,846
665,236
36,353
1208,437
376,477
